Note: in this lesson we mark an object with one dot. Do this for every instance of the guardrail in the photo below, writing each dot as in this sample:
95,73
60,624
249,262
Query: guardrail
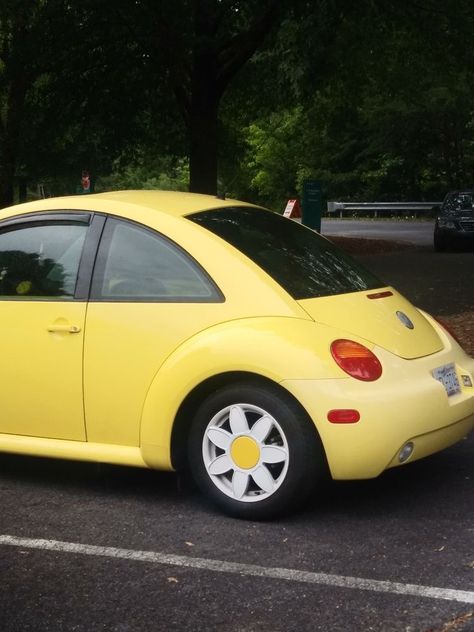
383,209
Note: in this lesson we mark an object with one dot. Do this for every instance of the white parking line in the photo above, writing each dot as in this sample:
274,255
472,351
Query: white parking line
253,570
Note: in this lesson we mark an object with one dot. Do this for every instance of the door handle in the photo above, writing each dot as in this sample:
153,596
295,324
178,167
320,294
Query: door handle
64,329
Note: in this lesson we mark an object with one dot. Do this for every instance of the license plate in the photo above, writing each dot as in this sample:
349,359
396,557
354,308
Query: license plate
447,376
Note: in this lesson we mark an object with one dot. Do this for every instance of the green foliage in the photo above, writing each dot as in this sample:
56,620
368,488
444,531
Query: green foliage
384,111
275,156
147,174
375,99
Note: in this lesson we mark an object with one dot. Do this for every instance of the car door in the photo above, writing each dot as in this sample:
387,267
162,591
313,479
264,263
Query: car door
148,296
42,325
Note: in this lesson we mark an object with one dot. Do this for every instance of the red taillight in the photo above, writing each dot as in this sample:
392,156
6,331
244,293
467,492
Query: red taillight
356,360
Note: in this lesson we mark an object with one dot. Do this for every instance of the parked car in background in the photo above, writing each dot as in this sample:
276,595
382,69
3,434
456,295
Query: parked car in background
169,330
455,221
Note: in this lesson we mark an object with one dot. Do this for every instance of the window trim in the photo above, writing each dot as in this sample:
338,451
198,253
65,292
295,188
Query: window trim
73,216
101,258
89,257
51,218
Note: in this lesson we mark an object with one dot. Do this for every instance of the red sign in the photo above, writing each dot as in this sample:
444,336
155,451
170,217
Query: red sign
292,209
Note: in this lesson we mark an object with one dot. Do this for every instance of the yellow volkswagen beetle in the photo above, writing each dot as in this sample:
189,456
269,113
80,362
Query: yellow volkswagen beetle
171,330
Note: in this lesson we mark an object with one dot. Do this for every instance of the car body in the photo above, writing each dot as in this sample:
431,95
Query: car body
454,224
167,330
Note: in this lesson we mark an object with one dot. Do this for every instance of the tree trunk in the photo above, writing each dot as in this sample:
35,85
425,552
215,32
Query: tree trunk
217,53
18,74
203,105
9,137
203,139
7,174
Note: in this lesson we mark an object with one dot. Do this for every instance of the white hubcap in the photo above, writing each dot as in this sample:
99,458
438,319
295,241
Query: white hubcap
245,452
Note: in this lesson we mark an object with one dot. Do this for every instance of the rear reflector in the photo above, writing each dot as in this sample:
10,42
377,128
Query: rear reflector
356,360
343,416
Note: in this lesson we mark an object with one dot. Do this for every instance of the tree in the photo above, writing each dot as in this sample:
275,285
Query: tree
188,49
382,104
18,71
201,46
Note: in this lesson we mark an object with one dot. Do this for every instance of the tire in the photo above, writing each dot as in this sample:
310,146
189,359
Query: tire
254,451
439,242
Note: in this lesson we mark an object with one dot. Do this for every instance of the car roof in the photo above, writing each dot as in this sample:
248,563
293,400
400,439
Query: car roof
171,202
175,203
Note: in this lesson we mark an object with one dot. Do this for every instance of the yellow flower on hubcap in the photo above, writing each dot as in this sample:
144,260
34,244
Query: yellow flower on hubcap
245,452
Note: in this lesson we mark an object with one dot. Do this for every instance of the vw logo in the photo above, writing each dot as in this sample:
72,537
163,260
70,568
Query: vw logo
403,318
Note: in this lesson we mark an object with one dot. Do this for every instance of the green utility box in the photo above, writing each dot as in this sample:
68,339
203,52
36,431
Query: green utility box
312,204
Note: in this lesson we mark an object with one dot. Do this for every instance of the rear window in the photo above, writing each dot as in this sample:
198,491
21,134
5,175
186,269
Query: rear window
301,261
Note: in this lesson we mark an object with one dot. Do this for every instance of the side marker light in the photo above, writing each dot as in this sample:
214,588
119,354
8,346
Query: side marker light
343,416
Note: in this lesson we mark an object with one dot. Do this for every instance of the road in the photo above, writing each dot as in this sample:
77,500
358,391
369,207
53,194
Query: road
415,232
408,534
115,549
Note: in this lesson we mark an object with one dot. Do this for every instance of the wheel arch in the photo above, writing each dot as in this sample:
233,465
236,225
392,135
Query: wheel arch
183,419
219,356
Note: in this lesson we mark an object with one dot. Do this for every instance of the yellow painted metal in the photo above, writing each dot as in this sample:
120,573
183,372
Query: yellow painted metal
376,320
41,371
424,445
406,403
245,452
73,450
274,348
164,203
128,351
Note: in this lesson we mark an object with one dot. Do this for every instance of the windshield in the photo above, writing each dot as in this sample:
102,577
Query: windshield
462,201
305,264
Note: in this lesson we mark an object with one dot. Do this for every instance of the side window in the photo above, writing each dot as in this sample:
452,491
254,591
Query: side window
137,264
40,260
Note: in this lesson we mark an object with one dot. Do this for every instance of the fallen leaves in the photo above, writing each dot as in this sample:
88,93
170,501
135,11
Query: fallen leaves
456,623
463,326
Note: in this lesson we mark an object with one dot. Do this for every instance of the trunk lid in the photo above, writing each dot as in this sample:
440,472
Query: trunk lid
382,317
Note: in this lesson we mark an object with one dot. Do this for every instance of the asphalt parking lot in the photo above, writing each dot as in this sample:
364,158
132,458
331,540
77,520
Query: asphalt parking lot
85,547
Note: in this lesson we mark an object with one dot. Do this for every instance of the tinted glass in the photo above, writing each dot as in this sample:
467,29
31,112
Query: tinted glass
40,260
463,201
136,264
299,259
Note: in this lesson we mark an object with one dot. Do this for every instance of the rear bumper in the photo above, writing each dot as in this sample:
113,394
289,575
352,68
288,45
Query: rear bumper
431,442
405,405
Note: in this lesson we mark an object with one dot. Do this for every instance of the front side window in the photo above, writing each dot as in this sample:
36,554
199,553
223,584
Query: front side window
137,264
300,260
40,260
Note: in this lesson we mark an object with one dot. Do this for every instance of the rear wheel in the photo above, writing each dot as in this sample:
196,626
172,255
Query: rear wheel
254,451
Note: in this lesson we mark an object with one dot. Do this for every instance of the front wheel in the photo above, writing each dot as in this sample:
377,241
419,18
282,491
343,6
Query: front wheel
440,242
254,451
